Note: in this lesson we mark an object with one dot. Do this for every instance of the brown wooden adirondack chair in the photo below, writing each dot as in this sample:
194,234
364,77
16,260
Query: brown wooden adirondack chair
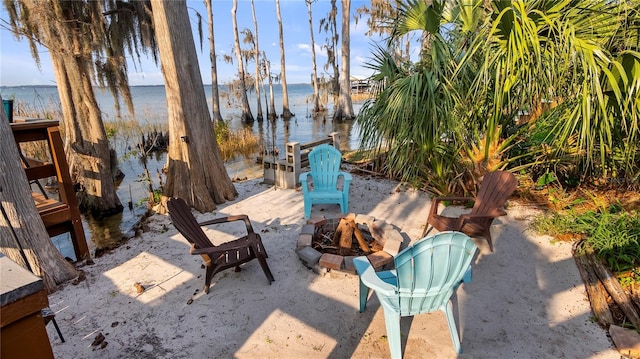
495,189
220,257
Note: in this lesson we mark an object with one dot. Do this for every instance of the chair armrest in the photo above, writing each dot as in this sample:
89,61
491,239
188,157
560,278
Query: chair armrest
347,176
496,212
303,181
239,217
347,180
303,176
453,199
370,278
436,201
229,246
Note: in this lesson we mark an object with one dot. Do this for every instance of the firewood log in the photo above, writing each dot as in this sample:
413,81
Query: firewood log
364,245
343,237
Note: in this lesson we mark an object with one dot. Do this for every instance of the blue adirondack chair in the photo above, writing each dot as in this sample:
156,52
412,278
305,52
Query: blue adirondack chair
324,161
425,278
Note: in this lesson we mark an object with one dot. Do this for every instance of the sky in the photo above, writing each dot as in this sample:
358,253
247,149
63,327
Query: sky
17,67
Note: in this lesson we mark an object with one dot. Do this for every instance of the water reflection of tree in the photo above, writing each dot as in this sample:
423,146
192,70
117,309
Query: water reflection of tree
344,128
105,232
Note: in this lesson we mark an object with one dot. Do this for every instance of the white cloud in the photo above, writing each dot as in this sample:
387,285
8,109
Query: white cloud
320,51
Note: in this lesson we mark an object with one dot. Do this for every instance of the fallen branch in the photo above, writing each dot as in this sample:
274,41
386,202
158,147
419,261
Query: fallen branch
595,290
615,290
610,283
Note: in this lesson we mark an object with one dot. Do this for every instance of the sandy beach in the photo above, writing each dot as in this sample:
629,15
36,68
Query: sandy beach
526,299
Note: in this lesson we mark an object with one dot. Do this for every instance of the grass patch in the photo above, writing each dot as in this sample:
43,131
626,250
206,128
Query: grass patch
613,234
232,143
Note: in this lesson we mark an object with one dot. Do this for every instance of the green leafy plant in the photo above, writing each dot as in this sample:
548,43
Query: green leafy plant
613,235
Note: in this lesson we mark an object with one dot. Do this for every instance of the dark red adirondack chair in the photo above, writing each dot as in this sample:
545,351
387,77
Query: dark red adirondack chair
495,190
223,256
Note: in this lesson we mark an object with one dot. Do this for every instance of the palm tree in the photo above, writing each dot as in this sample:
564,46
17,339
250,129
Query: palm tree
487,61
581,56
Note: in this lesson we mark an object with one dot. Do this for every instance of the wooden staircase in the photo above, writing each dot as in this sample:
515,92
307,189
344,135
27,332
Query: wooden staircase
58,215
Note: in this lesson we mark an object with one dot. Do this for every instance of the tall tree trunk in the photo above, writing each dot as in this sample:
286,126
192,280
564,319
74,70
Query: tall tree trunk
332,50
272,103
196,170
314,73
22,218
256,49
246,117
215,94
87,147
286,113
91,162
345,107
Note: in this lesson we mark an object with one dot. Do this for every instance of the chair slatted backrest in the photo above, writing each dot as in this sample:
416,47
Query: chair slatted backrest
430,270
495,190
324,161
186,224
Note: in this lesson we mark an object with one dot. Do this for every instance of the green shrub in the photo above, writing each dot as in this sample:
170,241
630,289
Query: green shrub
613,235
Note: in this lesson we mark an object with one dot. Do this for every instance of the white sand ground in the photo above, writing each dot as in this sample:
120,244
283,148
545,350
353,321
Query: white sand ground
526,299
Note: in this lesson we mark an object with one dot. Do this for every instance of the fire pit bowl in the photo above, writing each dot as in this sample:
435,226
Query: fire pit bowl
322,242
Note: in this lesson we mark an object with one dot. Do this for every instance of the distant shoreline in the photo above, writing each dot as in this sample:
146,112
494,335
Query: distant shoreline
160,85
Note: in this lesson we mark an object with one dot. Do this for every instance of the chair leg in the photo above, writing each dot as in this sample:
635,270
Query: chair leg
487,235
426,230
265,266
207,279
453,330
364,294
49,316
392,322
307,209
55,325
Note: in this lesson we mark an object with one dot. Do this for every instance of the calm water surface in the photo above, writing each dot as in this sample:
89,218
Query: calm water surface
151,108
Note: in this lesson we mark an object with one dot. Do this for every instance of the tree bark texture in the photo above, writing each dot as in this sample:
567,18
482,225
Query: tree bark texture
586,259
215,94
286,112
314,71
256,49
196,172
344,109
87,147
615,290
272,104
247,117
15,197
595,290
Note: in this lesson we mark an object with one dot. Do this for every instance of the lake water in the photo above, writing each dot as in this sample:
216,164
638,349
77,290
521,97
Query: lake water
151,108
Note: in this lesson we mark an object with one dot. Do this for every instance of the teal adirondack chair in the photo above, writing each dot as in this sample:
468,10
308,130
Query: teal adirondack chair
324,161
425,278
